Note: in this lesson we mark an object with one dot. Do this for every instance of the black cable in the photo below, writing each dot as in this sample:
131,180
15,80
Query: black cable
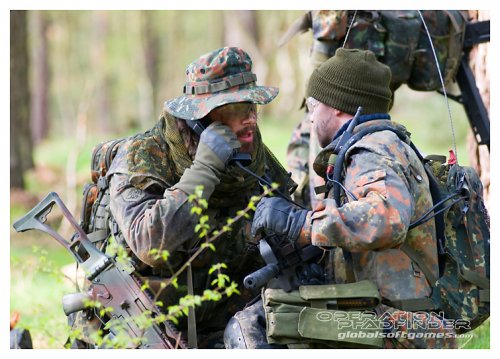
262,180
330,178
422,219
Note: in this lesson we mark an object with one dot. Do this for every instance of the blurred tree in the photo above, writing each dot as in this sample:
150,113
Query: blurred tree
478,59
240,29
150,43
21,150
99,76
41,77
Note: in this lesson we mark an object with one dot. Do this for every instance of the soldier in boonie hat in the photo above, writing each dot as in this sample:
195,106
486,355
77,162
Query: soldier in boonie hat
194,144
218,78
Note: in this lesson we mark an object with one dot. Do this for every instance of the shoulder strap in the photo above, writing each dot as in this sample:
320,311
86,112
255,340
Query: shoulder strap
339,163
109,151
417,258
434,188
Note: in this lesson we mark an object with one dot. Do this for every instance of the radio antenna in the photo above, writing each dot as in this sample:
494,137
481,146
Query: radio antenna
442,84
349,29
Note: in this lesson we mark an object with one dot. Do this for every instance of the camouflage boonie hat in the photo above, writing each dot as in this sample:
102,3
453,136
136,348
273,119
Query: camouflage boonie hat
218,78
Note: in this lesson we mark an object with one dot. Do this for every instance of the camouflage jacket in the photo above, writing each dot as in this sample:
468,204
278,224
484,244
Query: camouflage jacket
301,153
152,215
391,188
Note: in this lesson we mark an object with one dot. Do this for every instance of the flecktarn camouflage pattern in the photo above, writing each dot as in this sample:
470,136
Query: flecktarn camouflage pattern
463,291
301,152
218,78
398,39
391,187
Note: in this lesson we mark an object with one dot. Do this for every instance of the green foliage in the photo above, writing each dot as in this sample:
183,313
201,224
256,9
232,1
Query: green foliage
37,286
221,284
479,338
120,253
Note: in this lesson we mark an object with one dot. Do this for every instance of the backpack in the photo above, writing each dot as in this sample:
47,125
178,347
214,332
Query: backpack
462,290
95,218
396,37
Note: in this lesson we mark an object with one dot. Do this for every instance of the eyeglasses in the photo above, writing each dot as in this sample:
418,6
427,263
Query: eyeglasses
311,104
235,111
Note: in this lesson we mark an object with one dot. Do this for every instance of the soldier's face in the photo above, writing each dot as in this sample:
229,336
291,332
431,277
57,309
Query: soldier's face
326,122
241,118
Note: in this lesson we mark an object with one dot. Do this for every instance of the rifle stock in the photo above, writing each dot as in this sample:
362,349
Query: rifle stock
113,284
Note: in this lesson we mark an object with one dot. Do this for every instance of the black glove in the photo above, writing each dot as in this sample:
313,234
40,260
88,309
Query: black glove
279,216
216,147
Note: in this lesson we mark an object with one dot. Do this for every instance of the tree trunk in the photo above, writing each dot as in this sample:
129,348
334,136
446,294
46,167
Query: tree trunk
21,149
151,43
240,30
478,59
100,66
41,78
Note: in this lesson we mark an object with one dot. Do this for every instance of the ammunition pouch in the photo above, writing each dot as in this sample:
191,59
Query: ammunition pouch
334,315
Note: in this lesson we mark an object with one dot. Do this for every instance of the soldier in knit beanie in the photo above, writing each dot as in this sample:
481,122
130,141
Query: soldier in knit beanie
367,210
350,79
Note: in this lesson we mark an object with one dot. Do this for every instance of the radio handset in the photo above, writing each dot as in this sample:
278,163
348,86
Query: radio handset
199,126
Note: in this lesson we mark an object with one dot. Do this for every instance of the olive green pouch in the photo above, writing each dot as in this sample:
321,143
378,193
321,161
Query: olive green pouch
335,315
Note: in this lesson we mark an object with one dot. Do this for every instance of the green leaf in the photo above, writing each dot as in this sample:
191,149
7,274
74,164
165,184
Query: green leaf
203,203
164,255
175,284
145,286
153,251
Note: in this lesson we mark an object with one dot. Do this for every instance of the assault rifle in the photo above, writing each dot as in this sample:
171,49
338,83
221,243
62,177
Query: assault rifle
288,264
470,98
113,283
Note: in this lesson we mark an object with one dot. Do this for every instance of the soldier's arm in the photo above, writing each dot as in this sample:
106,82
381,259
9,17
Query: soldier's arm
380,217
149,219
297,158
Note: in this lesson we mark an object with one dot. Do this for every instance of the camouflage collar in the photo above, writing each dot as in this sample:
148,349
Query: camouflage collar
362,119
321,162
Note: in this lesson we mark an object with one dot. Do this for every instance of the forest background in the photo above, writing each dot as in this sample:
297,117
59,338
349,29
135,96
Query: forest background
92,76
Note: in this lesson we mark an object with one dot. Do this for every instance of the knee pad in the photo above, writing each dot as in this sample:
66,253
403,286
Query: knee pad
233,335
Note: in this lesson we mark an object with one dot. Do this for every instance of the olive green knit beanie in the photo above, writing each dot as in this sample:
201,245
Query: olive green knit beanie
350,79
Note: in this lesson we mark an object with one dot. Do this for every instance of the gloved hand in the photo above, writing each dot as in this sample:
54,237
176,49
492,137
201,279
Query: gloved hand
216,147
279,216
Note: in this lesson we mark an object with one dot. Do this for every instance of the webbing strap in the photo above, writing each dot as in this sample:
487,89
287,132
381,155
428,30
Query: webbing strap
484,295
417,258
98,236
411,305
349,266
193,88
192,336
475,278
